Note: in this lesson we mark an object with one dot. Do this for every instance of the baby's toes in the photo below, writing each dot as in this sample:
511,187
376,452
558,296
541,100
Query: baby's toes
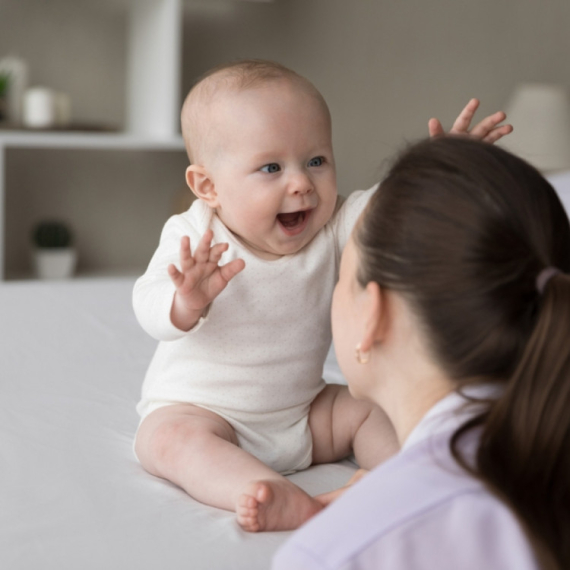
247,502
247,512
252,525
248,523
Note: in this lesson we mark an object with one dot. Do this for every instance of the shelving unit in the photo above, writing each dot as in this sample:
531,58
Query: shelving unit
75,140
154,49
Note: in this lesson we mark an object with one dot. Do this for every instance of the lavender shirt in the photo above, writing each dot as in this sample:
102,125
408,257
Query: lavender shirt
417,511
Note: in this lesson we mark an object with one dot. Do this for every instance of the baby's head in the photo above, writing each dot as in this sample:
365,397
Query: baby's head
258,136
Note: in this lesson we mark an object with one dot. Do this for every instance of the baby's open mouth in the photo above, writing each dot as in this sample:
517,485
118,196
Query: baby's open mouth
294,222
291,219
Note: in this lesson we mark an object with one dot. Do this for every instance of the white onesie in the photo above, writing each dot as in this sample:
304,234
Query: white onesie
256,359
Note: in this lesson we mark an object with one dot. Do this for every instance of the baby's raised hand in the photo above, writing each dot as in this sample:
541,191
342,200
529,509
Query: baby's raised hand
200,279
488,130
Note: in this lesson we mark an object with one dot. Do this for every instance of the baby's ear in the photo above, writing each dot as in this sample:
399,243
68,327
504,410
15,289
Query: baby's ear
201,183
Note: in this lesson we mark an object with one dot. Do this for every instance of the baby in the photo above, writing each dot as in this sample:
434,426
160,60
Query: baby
234,397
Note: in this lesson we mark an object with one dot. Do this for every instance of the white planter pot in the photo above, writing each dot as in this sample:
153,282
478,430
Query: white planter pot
57,263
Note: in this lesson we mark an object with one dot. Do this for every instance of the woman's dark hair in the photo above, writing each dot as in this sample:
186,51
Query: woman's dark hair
462,229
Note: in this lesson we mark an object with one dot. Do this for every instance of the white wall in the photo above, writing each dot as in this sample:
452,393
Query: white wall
387,66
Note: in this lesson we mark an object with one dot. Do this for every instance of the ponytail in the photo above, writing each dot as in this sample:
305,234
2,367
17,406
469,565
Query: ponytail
524,455
463,230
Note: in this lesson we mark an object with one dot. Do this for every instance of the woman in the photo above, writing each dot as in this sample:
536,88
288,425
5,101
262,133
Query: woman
454,289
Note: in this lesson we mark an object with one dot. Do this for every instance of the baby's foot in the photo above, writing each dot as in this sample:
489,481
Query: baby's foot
274,505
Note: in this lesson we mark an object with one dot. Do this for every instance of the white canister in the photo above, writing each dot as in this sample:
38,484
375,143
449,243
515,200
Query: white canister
40,108
55,263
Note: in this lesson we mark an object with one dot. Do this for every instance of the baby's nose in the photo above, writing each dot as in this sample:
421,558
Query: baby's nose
301,184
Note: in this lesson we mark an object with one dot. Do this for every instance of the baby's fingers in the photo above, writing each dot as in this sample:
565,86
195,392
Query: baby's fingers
217,251
231,269
461,125
202,253
435,128
222,276
488,124
186,259
175,275
498,133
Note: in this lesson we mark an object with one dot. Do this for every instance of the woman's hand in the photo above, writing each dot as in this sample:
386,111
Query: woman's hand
200,279
327,498
488,130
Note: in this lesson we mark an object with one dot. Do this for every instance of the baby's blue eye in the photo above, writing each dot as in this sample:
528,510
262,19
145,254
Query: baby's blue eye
317,161
270,168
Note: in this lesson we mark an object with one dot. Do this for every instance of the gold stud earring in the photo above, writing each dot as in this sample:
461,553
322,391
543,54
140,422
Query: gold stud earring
361,357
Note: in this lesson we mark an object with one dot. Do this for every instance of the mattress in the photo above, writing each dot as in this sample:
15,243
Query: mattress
72,494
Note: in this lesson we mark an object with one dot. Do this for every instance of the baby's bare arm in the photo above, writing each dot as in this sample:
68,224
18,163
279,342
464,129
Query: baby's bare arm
200,279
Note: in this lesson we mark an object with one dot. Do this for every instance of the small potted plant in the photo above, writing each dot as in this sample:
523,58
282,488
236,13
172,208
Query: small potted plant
54,254
4,80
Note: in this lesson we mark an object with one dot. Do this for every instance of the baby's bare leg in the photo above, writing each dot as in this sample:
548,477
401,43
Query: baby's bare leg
341,425
198,450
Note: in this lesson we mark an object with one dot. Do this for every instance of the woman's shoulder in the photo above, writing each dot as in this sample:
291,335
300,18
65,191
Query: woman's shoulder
467,529
417,511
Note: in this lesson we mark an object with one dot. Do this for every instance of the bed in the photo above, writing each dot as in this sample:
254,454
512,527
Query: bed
73,359
72,494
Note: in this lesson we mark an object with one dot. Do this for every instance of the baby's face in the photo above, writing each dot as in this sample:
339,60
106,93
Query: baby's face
273,167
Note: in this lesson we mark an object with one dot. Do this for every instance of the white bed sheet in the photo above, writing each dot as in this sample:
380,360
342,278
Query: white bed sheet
72,494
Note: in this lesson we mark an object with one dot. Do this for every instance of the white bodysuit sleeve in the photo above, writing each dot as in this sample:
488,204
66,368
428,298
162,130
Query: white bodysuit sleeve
154,291
348,214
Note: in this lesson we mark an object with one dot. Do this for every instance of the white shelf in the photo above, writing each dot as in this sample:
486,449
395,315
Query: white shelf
123,273
85,140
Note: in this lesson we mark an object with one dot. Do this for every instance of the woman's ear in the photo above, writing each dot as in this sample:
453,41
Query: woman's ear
201,183
375,311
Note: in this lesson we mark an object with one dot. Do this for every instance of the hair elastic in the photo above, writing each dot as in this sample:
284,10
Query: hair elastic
545,276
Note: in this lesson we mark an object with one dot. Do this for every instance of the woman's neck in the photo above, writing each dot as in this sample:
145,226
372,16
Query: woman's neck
408,381
408,409
409,386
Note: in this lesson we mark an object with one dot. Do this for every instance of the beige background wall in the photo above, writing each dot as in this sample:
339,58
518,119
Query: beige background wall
384,66
387,66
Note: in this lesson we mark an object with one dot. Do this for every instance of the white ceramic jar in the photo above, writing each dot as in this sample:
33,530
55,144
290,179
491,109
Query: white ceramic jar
55,263
40,109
